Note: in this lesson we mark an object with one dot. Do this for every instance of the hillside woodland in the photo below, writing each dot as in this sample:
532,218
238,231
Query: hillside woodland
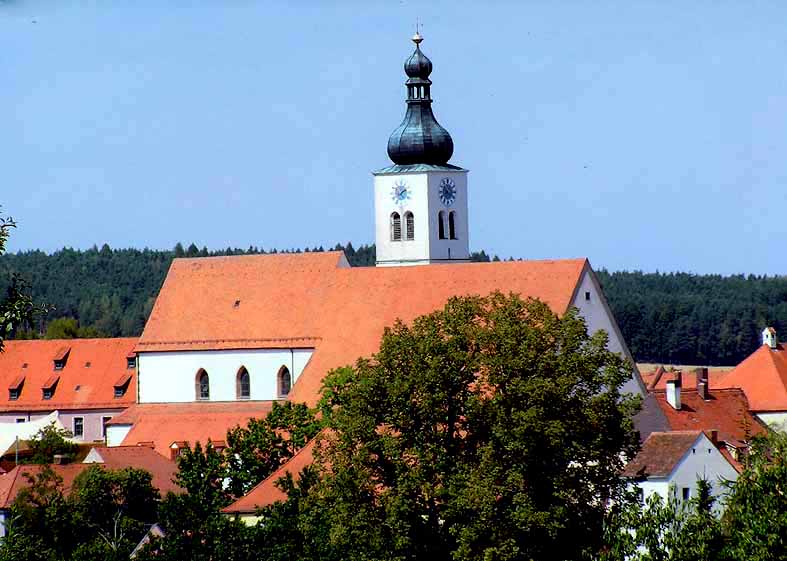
671,318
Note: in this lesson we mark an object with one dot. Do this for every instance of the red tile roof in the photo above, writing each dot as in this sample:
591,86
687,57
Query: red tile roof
726,411
763,377
165,423
79,386
16,480
660,453
162,469
657,379
266,492
311,300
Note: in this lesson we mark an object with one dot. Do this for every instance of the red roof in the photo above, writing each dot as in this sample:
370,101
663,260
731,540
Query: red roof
657,379
660,453
726,411
165,423
763,376
266,492
312,300
162,469
79,387
16,480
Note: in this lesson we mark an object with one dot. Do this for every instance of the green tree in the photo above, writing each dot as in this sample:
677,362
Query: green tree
756,516
490,429
48,442
68,328
16,309
667,530
257,450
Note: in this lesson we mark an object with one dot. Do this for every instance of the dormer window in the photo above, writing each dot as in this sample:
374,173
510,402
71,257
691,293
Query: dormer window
121,385
131,362
49,387
15,389
60,357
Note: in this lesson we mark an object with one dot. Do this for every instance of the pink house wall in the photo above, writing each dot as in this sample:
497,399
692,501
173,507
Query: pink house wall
92,420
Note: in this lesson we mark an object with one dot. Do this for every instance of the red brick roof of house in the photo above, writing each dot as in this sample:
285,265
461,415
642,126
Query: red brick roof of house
17,479
725,410
162,470
315,301
90,369
162,424
657,379
660,453
763,377
266,492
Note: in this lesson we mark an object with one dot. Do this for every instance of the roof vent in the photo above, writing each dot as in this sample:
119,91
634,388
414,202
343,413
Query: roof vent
673,391
237,304
24,365
769,337
87,364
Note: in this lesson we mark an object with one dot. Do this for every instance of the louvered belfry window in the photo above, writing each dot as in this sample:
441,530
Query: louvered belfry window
409,226
451,225
441,225
396,227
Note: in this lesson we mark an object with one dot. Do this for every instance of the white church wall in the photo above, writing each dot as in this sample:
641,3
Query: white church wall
171,376
591,303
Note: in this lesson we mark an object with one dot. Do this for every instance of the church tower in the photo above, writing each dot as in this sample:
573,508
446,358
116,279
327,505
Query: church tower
420,202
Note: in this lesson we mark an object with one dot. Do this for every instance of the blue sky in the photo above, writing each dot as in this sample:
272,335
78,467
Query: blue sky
643,135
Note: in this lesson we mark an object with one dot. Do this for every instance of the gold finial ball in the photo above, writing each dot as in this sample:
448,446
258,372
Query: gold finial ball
417,38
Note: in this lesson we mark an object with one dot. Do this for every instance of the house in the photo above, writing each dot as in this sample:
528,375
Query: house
87,381
670,463
169,427
724,413
763,378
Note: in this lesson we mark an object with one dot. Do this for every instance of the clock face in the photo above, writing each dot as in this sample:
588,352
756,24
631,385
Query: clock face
400,193
447,191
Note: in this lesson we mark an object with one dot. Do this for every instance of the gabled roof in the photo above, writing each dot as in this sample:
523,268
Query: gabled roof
763,377
161,469
661,453
266,492
314,300
79,385
16,480
725,410
164,423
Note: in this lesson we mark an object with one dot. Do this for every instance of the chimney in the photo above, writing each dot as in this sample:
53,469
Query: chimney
673,391
703,389
714,436
769,337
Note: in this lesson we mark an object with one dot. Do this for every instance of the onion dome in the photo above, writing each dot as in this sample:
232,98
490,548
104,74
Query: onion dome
419,139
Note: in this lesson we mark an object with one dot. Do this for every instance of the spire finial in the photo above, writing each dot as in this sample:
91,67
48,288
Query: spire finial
417,38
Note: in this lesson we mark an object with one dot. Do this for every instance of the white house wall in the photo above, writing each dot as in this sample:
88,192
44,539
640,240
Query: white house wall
167,377
116,434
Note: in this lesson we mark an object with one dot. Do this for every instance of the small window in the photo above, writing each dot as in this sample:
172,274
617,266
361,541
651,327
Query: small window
587,296
47,393
452,225
396,227
203,385
87,364
59,364
686,493
285,381
79,427
131,362
409,226
21,420
13,395
441,225
120,391
243,384
104,421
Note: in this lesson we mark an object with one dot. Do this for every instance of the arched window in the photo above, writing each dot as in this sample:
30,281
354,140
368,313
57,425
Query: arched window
243,384
396,227
409,226
202,385
284,381
451,225
441,224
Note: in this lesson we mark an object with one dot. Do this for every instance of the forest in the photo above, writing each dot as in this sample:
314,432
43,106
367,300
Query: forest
669,318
